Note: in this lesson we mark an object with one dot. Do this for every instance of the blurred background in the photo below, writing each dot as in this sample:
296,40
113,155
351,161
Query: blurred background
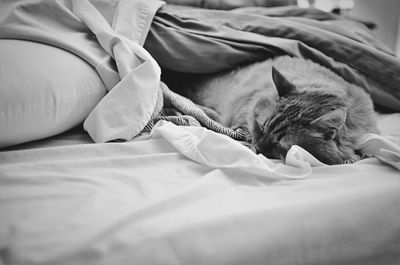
384,13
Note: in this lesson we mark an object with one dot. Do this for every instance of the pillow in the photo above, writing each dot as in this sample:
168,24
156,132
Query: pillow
44,91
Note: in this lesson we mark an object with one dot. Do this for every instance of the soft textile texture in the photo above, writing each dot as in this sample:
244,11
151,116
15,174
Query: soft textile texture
229,4
381,147
202,41
128,107
108,35
182,111
44,91
187,195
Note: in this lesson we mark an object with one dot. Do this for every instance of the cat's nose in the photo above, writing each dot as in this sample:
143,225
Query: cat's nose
272,151
268,151
272,154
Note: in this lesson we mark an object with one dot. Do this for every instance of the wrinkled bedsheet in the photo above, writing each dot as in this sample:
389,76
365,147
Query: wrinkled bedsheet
187,195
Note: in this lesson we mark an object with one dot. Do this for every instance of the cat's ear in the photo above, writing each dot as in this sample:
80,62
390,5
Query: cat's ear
283,86
333,119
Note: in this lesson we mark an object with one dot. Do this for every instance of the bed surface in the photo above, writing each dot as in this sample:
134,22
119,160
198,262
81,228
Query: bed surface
174,199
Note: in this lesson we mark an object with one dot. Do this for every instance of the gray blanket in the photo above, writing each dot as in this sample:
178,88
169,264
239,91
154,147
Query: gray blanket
201,41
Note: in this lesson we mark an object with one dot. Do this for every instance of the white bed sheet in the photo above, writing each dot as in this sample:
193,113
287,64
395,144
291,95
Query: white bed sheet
192,199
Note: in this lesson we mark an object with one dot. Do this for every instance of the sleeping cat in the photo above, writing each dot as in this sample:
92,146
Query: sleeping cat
288,101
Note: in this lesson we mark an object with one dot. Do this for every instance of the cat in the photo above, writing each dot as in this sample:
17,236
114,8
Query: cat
287,101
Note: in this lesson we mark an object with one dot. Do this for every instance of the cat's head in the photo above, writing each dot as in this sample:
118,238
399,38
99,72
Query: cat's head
312,120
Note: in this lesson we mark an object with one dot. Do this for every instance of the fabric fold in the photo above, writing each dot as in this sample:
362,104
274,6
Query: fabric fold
227,39
108,35
205,147
126,110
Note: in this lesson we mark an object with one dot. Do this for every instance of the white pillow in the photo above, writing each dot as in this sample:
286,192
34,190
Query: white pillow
44,91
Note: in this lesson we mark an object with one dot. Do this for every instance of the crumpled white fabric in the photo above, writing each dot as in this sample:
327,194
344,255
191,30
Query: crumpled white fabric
384,148
205,147
127,108
299,157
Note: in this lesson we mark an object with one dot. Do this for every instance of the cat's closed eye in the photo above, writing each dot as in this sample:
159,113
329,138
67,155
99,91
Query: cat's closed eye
271,149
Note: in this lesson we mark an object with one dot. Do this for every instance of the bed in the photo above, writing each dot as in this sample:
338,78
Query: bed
95,170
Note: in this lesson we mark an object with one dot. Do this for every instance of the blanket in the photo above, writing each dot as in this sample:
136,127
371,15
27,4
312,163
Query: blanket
182,111
202,41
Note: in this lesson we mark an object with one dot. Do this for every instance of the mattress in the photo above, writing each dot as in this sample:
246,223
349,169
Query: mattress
187,195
